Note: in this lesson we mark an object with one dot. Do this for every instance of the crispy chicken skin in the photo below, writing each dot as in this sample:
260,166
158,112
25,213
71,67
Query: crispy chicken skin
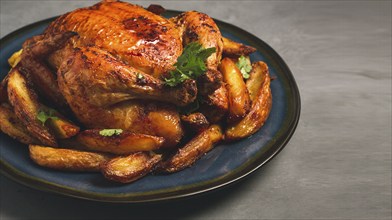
137,37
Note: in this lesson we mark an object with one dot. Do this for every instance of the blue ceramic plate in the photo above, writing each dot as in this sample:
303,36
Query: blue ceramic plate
225,164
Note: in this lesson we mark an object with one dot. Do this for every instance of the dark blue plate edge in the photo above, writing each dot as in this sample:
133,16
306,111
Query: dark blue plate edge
160,195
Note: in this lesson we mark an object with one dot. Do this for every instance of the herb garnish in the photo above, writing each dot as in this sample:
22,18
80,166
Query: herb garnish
110,132
190,65
244,65
43,116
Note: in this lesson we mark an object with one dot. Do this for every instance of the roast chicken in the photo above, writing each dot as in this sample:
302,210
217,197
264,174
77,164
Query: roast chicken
116,88
111,59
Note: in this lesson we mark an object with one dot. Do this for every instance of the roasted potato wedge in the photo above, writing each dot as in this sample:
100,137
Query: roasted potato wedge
126,169
195,122
124,143
234,49
256,78
67,159
238,95
192,151
26,107
259,112
12,126
61,127
15,58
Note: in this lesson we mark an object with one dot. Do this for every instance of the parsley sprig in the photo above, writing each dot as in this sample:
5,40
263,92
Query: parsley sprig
190,65
43,116
244,65
110,132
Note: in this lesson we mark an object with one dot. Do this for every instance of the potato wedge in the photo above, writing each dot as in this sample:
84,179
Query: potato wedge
124,143
234,49
259,112
12,126
15,58
126,169
238,95
61,127
256,78
192,151
67,159
26,107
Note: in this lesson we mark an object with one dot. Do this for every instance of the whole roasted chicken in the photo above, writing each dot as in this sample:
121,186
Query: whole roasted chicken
111,57
108,66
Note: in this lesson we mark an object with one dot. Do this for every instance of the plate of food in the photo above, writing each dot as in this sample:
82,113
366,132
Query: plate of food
119,103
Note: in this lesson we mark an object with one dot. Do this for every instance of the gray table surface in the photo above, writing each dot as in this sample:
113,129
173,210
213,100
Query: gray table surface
338,163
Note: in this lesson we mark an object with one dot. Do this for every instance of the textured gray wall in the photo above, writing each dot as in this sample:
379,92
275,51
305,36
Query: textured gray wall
338,163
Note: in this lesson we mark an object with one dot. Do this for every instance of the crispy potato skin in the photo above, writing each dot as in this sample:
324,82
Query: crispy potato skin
125,143
238,95
256,78
26,107
12,126
259,112
126,169
192,151
67,159
234,49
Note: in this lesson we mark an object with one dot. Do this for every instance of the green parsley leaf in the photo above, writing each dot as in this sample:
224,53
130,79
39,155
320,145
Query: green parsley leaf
244,65
139,76
190,65
110,132
43,116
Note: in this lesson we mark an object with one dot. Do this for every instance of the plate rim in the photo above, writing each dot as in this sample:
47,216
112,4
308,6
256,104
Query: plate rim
202,187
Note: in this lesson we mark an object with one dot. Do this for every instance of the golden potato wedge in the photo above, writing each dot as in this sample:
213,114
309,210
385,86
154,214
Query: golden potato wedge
126,169
61,127
15,58
124,143
256,78
26,107
67,159
234,49
259,112
238,95
12,126
192,151
195,122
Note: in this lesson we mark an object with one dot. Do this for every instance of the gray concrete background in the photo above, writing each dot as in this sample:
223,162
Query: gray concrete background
338,163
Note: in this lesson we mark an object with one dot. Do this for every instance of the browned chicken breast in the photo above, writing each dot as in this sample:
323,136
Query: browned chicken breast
137,37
